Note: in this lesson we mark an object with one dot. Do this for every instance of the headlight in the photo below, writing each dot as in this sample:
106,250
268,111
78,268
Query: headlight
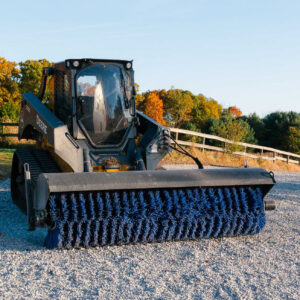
76,63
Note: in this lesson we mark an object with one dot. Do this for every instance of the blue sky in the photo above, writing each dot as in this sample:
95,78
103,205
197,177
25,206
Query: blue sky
243,53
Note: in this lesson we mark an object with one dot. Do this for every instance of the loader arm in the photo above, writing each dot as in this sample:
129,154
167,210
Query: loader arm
37,122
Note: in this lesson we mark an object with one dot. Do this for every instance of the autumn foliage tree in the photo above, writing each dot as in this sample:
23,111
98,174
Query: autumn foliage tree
234,111
9,74
154,107
9,90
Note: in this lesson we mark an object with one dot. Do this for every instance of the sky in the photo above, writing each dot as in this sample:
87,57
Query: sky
243,53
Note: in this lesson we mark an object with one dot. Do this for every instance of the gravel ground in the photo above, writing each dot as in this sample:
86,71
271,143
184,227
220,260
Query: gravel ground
265,266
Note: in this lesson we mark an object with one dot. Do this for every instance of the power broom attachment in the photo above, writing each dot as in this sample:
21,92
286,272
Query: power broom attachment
98,209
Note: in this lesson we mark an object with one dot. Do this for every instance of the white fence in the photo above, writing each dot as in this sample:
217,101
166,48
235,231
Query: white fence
262,151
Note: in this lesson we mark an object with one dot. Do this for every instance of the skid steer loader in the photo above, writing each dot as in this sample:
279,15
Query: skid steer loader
91,178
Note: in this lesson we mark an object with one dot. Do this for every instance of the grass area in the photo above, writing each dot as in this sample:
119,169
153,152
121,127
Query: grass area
6,155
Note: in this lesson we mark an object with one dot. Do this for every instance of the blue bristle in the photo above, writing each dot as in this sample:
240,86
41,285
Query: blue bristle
113,231
179,229
172,227
159,204
146,230
103,232
194,226
91,207
108,208
87,234
74,208
209,227
217,231
125,203
124,217
201,227
142,204
116,204
128,231
137,230
175,198
99,206
83,211
153,230
95,233
169,204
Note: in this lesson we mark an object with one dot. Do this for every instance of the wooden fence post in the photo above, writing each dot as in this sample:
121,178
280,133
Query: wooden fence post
203,143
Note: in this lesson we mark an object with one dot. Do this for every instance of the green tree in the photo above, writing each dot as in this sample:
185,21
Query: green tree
232,129
10,111
277,127
31,74
258,126
293,139
190,125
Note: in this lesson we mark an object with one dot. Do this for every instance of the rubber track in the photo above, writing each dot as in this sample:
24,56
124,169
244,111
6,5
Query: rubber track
40,161
129,217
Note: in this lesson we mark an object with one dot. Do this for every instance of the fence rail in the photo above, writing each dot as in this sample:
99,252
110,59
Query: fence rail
276,154
2,134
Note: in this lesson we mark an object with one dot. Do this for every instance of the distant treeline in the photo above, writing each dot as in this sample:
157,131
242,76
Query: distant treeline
182,109
173,107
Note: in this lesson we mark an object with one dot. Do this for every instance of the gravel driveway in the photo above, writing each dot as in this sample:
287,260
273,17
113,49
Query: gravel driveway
265,266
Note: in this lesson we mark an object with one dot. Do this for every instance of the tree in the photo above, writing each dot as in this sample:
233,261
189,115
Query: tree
9,75
235,111
139,98
232,129
205,109
258,126
293,139
190,125
10,111
154,107
178,105
277,127
31,74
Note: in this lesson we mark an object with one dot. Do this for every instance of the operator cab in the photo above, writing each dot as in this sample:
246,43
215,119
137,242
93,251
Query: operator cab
102,92
97,97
